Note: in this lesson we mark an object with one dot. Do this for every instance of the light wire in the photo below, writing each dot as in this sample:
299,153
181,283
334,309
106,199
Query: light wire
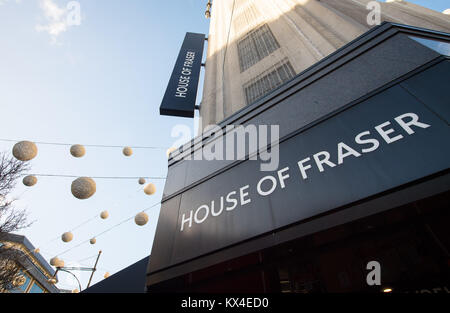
87,145
96,177
106,231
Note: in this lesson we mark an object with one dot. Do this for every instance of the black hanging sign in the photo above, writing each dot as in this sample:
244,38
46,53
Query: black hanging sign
181,92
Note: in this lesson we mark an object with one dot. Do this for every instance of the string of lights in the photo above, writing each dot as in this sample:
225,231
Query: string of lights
82,187
105,231
73,229
88,145
79,226
97,177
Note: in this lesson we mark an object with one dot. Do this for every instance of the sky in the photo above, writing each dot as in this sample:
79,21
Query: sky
97,83
100,82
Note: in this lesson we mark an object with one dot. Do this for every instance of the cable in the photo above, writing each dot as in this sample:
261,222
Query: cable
77,227
88,258
73,229
106,231
85,222
97,146
97,177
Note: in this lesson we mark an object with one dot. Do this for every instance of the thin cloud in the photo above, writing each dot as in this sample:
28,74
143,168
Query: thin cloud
56,19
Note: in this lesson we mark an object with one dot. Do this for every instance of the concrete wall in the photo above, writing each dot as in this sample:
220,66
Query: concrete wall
307,31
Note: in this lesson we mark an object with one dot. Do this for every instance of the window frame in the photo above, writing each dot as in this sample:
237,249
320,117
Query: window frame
255,46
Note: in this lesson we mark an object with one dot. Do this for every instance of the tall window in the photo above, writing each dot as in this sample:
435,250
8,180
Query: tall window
255,46
268,81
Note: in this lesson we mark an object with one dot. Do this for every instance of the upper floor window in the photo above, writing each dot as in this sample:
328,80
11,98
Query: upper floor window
268,81
255,46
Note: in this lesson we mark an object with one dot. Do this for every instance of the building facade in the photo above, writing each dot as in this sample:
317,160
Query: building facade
357,201
33,268
254,46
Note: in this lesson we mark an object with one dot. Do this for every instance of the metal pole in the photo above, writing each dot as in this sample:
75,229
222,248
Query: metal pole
79,284
94,269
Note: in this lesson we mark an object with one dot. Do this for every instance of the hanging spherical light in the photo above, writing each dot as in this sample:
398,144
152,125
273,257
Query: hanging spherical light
54,261
59,263
25,150
37,250
104,215
127,151
75,291
29,181
150,189
141,181
83,188
106,275
93,241
67,237
78,151
141,219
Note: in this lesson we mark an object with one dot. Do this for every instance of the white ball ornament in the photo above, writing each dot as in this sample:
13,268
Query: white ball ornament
29,181
141,219
83,188
150,189
67,237
77,151
127,151
59,263
104,215
93,241
54,261
25,150
141,181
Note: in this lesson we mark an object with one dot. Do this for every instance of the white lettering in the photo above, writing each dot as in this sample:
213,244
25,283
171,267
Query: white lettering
342,155
325,160
359,140
244,194
407,125
384,133
272,189
303,168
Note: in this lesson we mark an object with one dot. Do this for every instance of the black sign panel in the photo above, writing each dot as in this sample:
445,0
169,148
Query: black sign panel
384,142
181,93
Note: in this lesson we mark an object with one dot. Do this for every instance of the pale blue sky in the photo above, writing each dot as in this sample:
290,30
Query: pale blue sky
97,83
100,83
